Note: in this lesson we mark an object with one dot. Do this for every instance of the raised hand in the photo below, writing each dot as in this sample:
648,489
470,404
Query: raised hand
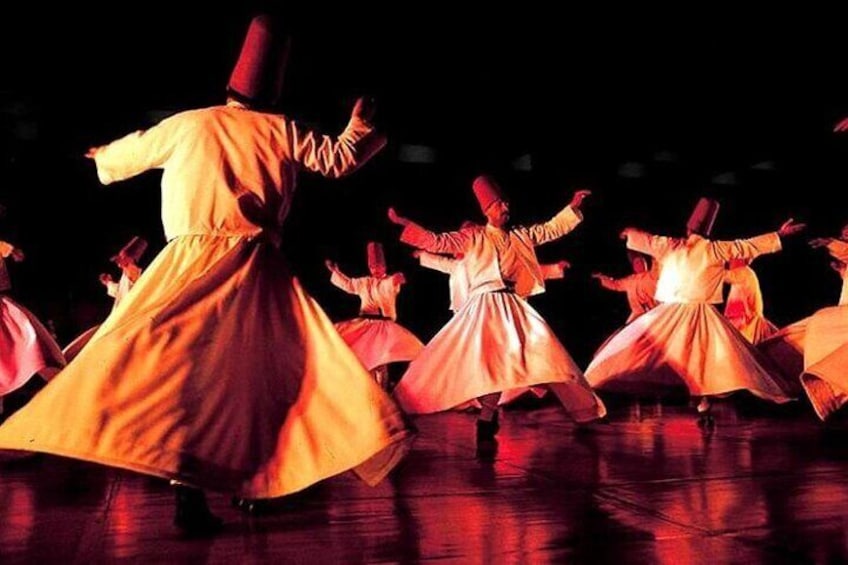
395,218
578,198
364,108
626,232
790,227
817,242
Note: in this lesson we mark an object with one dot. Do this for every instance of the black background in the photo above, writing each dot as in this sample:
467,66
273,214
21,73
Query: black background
647,109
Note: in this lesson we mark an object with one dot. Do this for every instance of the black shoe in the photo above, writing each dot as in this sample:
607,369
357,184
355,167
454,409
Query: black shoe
486,430
192,516
494,423
487,450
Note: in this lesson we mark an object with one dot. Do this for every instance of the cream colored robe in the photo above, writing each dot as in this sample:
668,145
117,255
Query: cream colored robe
218,370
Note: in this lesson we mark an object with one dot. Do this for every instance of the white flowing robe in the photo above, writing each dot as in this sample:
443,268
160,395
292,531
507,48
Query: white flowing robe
218,370
684,340
496,342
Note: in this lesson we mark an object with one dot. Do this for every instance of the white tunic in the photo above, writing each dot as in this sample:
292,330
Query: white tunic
493,257
692,268
375,337
496,342
377,296
458,283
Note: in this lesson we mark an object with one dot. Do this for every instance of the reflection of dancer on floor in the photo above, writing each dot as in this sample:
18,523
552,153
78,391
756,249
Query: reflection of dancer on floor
496,341
685,339
26,347
218,371
375,336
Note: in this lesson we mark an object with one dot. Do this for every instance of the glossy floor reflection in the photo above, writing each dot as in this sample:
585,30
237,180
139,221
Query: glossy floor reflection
651,487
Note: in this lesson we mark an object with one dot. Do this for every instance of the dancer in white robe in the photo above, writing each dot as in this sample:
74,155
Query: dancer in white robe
496,342
459,290
26,347
685,340
375,336
218,370
825,375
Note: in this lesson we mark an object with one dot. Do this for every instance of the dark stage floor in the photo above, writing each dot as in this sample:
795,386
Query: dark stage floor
768,485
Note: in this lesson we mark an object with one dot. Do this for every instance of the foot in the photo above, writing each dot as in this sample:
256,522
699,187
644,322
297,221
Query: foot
193,516
487,450
487,445
487,429
704,405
